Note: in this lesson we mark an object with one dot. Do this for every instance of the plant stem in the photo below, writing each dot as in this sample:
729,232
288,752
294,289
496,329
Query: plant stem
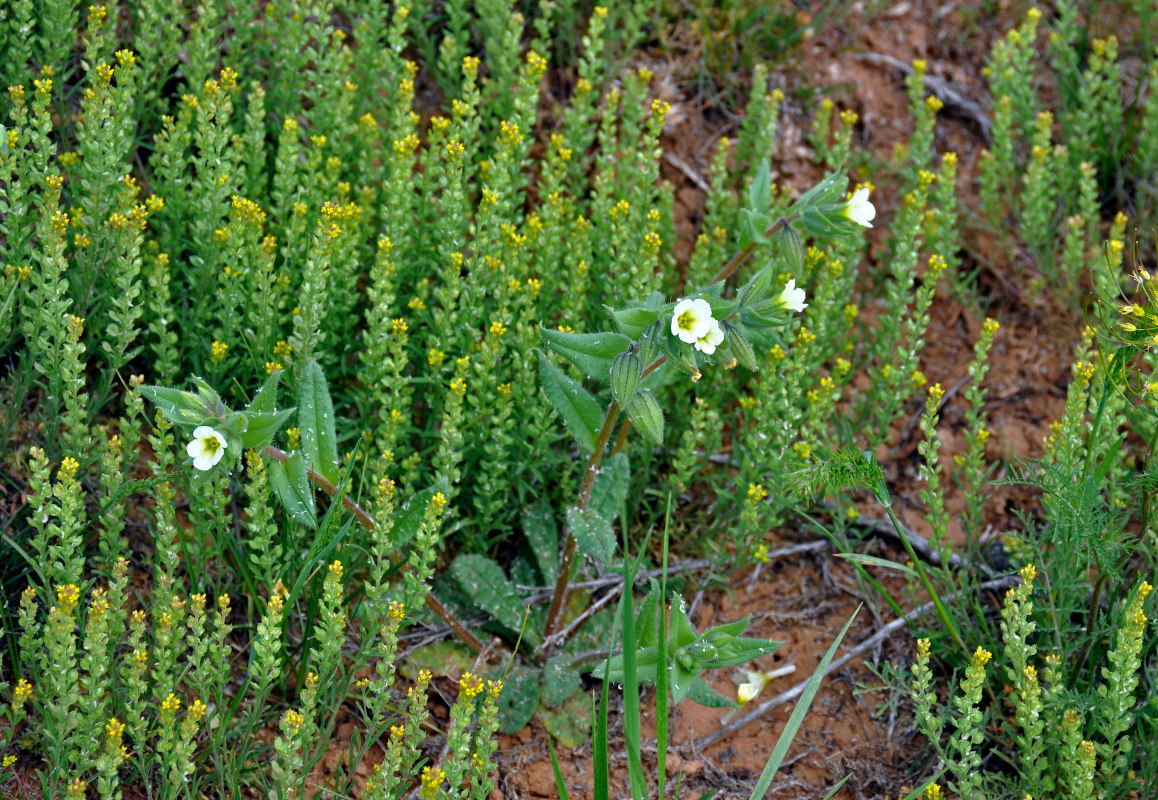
560,596
920,568
368,523
558,600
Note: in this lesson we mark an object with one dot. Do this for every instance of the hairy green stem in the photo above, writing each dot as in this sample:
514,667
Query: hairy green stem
559,598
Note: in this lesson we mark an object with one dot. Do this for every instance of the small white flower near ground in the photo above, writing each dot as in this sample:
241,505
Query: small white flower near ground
750,683
691,320
207,448
859,209
792,298
708,343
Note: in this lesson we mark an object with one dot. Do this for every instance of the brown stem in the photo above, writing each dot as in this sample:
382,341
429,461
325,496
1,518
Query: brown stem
368,523
621,437
560,596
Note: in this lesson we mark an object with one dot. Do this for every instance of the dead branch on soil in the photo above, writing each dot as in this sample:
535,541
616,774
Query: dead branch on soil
967,107
867,644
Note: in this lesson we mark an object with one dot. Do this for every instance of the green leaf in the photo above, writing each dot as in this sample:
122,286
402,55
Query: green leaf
648,620
483,581
560,681
700,692
571,724
760,192
179,407
518,700
610,487
593,534
646,415
265,401
626,370
291,483
682,631
560,785
797,718
873,561
582,414
592,353
681,681
741,650
632,321
316,421
755,289
829,191
407,521
543,535
262,427
755,226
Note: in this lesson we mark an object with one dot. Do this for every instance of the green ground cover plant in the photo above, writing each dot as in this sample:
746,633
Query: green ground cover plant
438,233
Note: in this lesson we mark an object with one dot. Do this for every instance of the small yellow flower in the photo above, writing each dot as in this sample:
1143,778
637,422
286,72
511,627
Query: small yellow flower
471,686
292,721
218,350
9,760
761,554
432,778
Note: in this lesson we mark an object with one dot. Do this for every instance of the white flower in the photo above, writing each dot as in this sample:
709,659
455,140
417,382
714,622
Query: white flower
750,683
712,339
859,209
792,298
754,683
207,448
691,319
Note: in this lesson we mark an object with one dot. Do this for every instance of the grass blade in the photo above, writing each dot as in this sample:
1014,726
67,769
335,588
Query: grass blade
631,732
798,714
661,709
559,785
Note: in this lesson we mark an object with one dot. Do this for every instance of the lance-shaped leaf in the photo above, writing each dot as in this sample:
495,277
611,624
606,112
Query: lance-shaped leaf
752,291
316,421
626,370
406,522
610,487
760,192
262,427
592,353
582,415
646,415
543,535
593,534
179,407
266,398
291,483
632,321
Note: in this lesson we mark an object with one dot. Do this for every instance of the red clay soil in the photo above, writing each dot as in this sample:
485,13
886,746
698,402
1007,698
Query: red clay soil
804,602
